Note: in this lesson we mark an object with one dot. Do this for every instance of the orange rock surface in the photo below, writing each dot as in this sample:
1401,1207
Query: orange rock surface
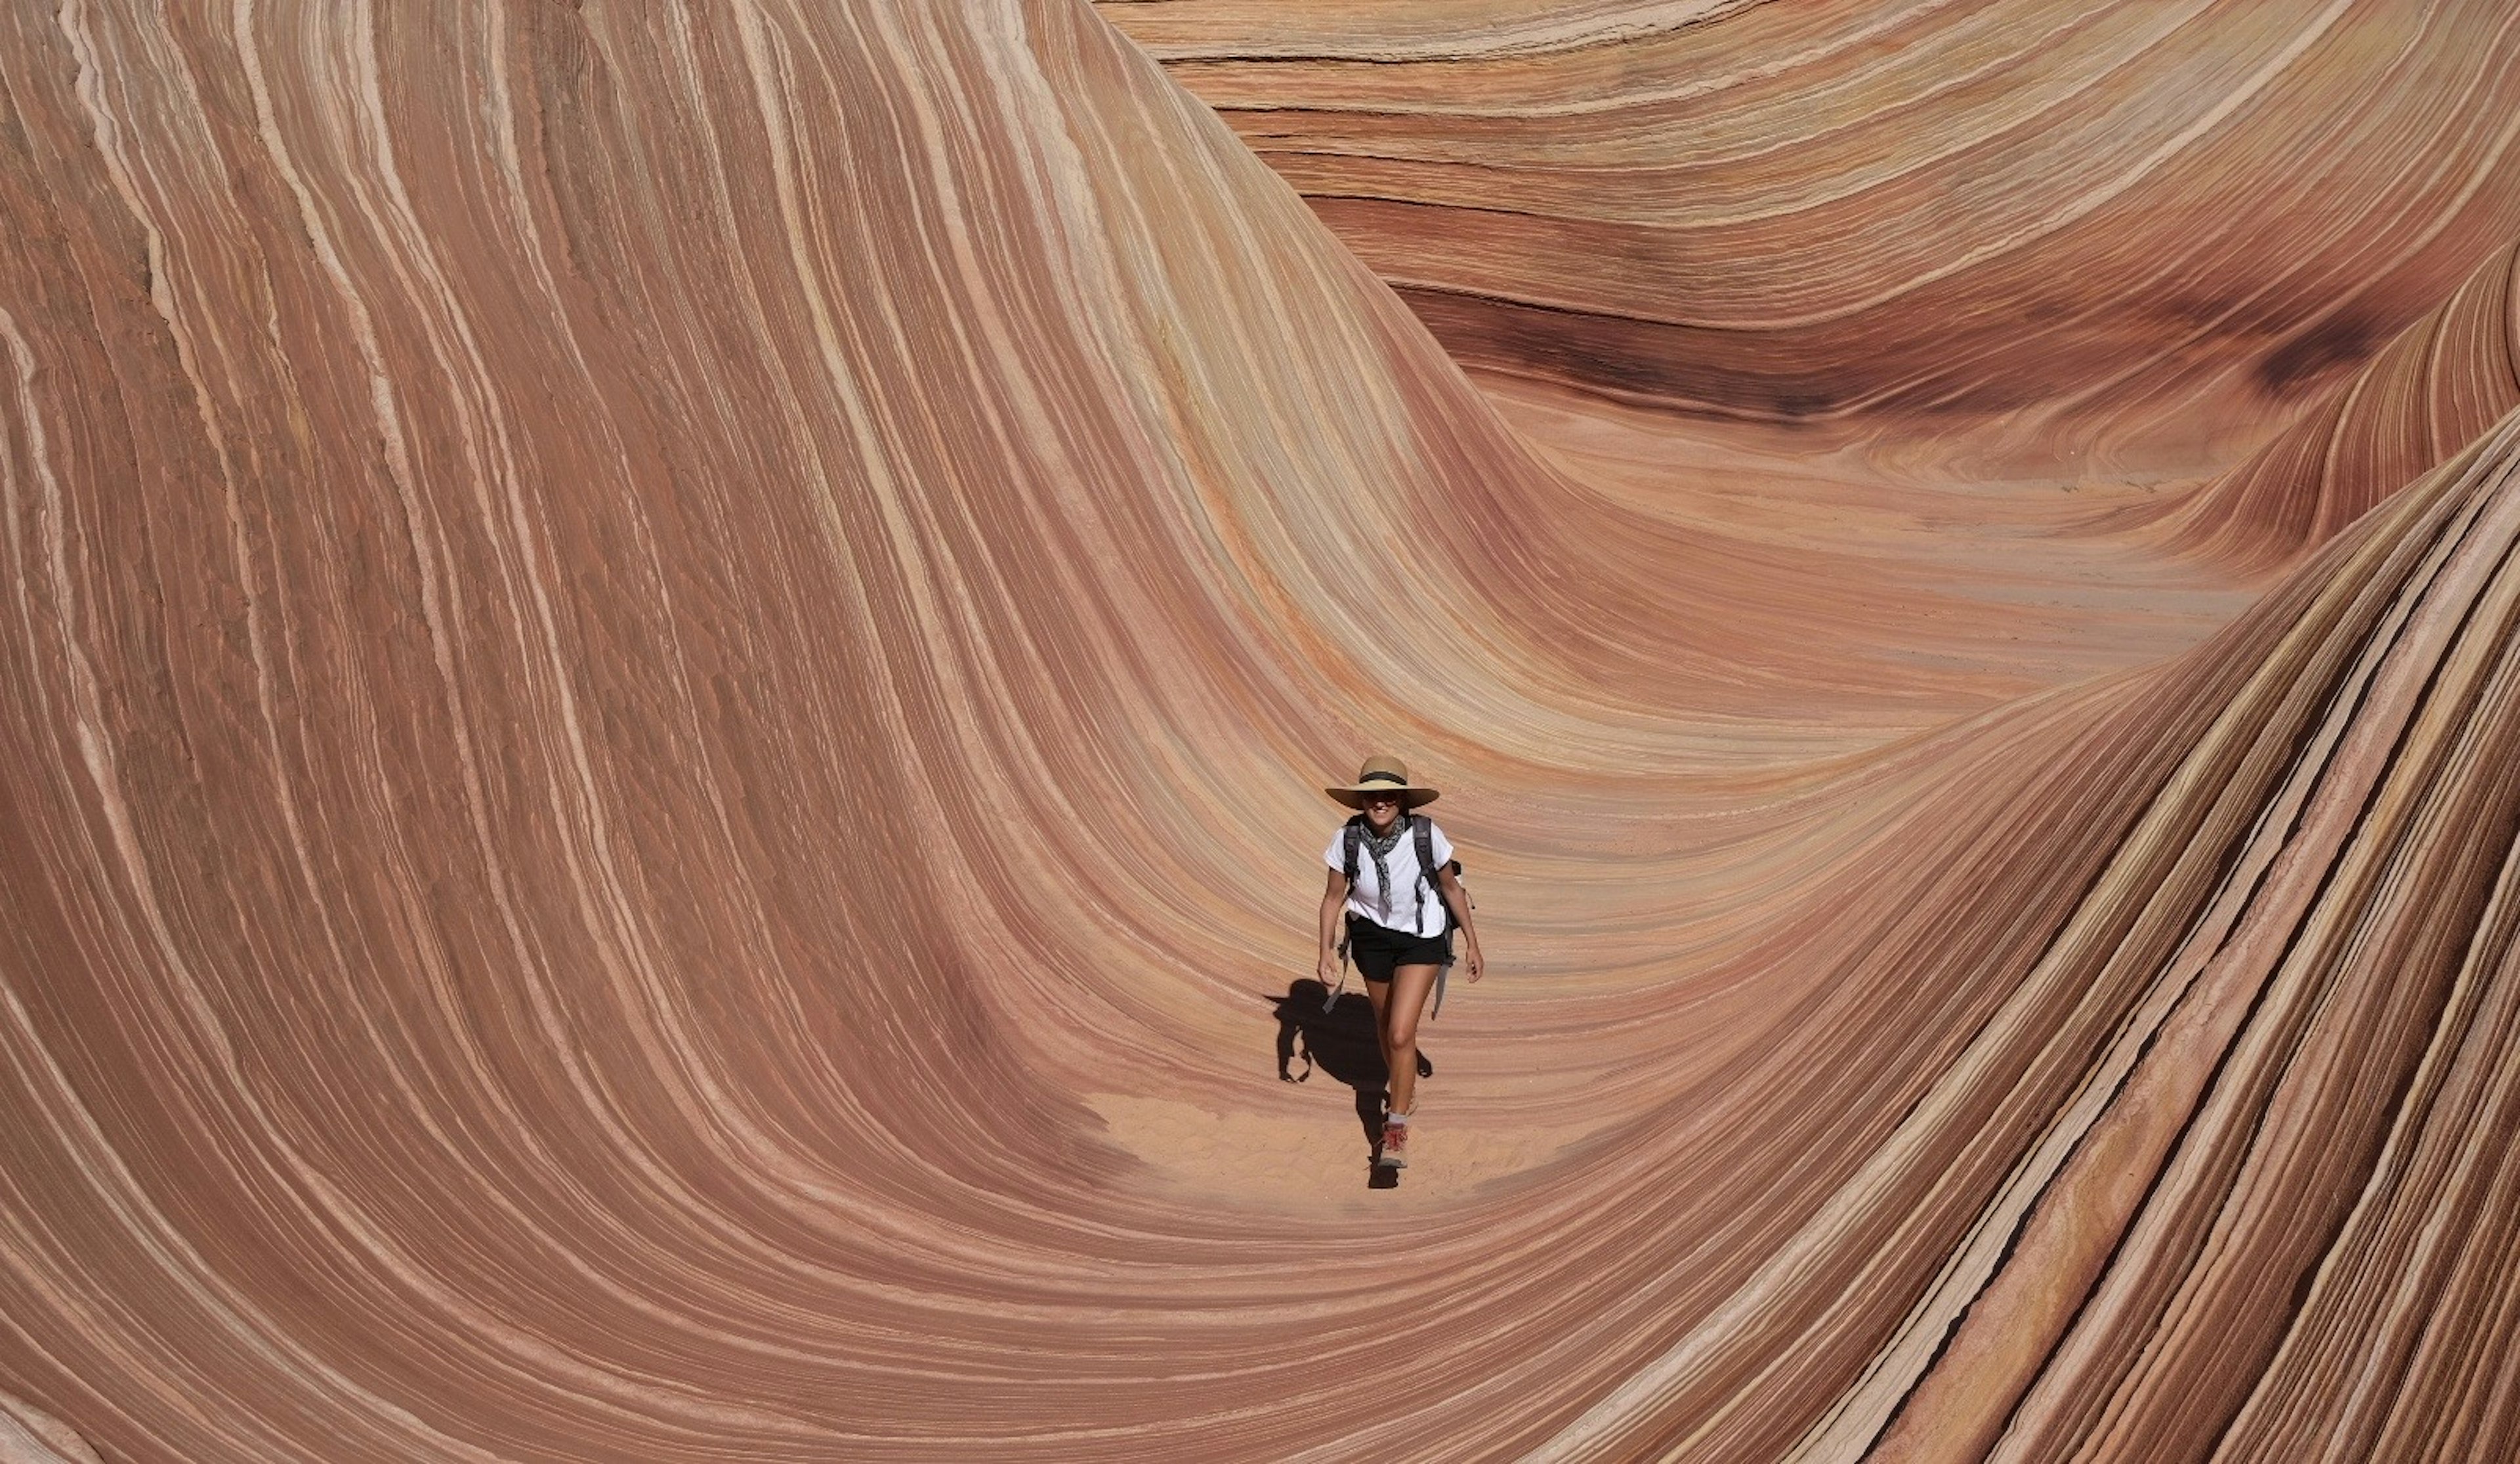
2141,232
669,670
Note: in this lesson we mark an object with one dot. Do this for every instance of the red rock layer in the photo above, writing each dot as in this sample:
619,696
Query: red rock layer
2136,234
2432,391
667,671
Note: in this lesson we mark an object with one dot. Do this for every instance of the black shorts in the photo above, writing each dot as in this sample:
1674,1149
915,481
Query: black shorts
1378,950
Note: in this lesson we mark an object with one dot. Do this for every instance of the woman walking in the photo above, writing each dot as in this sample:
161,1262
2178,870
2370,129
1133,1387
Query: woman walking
1391,875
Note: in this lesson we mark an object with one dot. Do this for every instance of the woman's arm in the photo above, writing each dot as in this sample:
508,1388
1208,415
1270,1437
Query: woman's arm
1449,885
1333,896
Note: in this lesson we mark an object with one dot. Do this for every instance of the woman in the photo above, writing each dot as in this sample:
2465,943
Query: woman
1395,923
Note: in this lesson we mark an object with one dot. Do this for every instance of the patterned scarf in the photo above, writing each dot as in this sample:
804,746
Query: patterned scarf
1380,846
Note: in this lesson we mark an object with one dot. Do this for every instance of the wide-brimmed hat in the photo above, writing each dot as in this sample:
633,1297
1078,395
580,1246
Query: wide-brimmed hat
1383,775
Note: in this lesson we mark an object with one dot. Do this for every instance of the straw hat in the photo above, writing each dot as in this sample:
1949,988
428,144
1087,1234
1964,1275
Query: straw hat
1383,775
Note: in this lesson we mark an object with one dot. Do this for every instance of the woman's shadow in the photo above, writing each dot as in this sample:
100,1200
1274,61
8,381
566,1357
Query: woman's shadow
1338,1038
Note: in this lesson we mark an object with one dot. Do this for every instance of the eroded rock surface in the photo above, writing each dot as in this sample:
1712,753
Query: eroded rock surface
2140,231
667,671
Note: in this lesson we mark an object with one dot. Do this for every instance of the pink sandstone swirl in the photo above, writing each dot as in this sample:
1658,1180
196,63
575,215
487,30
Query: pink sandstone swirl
2131,234
667,670
2444,380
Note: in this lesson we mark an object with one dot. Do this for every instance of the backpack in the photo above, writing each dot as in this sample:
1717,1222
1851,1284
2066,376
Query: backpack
1423,830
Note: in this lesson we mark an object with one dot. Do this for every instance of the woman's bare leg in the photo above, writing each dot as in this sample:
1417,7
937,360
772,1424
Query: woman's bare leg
1380,993
1396,1017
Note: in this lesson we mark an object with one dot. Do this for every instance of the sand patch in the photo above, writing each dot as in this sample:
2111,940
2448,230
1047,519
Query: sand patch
1312,1156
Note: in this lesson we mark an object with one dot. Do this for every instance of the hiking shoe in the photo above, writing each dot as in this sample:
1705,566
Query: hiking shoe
1395,1145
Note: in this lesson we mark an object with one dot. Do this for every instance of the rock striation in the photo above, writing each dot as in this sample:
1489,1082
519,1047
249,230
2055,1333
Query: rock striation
2146,231
667,670
2433,390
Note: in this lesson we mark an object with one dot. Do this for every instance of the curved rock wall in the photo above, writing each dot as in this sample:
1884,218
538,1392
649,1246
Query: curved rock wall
2429,394
2141,234
667,675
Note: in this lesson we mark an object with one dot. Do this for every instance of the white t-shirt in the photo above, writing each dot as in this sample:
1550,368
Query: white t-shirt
1416,909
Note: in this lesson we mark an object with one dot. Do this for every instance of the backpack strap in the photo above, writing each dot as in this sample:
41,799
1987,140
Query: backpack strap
1426,871
1351,835
1426,834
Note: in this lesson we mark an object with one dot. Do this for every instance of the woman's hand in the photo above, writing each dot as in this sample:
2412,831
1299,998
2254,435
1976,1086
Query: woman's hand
1471,966
1328,970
